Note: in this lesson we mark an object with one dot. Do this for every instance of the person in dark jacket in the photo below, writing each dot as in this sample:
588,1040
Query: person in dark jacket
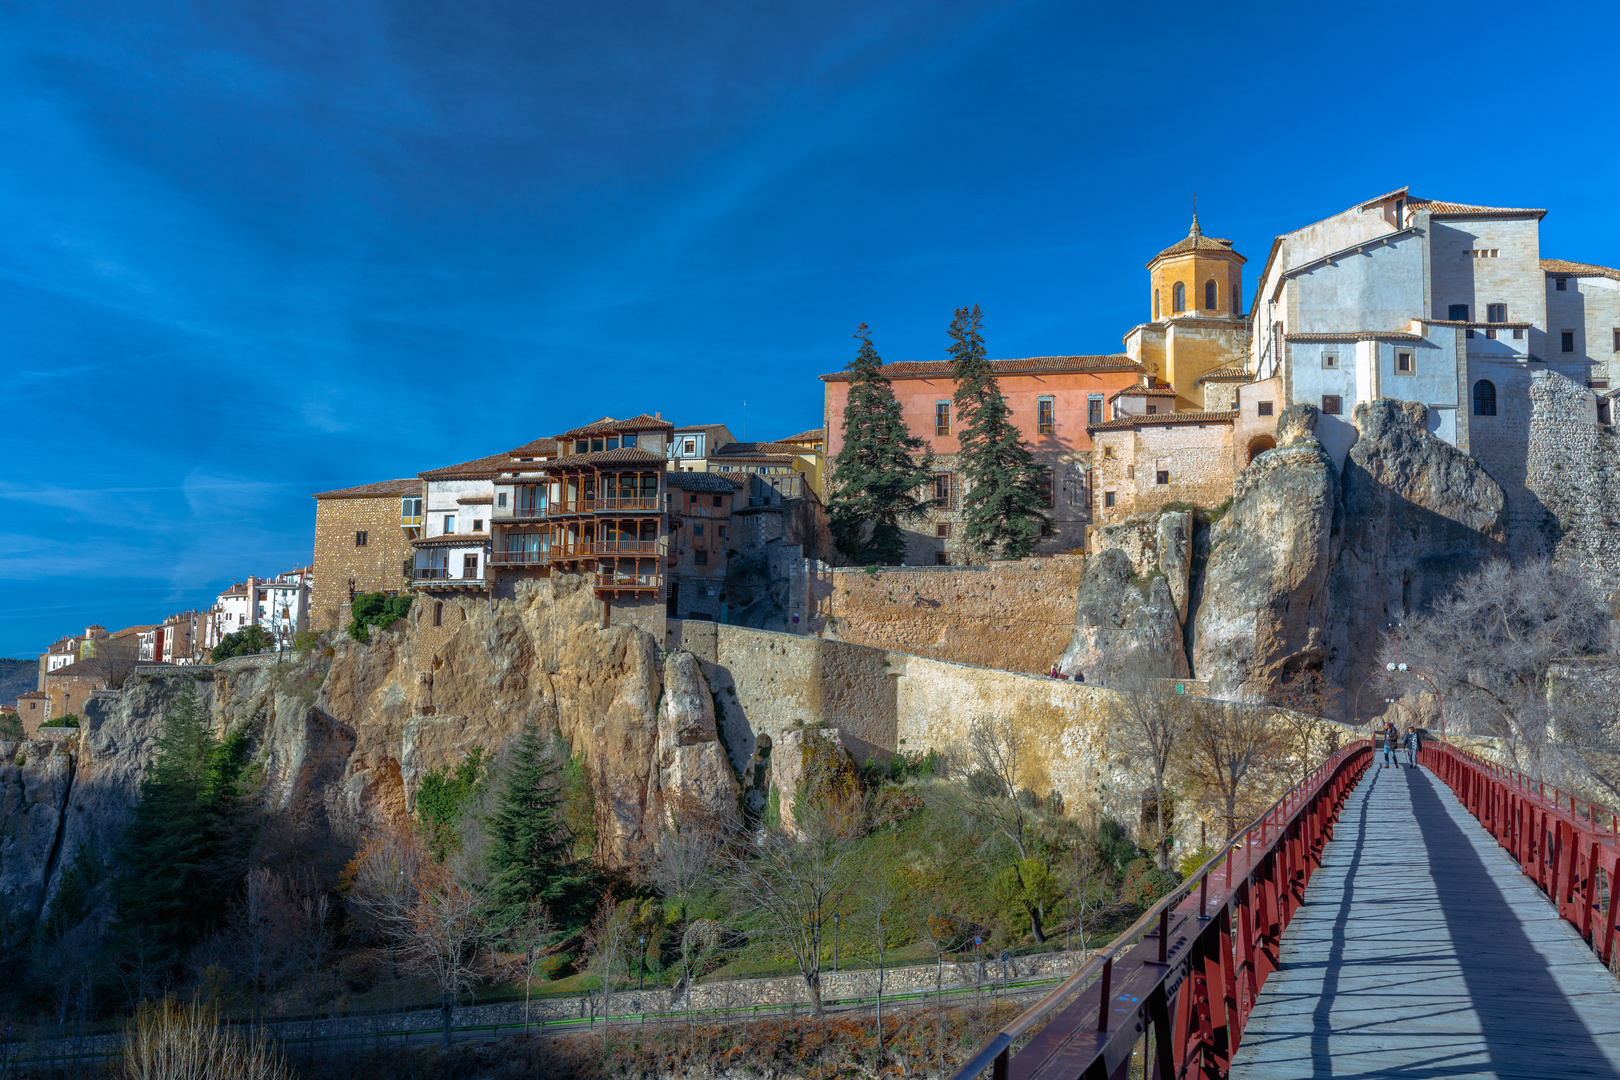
1414,743
1391,739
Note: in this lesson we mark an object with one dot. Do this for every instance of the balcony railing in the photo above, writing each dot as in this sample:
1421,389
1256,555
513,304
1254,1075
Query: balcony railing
636,582
627,547
519,558
584,548
430,573
523,513
616,504
408,522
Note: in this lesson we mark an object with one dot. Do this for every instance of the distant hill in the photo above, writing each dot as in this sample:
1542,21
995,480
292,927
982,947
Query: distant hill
17,677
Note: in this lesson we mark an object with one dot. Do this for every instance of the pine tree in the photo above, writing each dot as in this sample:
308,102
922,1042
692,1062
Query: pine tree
181,843
877,477
531,851
1002,501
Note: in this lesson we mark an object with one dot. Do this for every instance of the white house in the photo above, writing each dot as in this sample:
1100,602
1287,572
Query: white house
452,553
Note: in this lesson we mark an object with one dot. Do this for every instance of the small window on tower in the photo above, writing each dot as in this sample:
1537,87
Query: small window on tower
1178,299
1566,341
1330,361
1209,296
942,418
360,539
1108,498
1108,452
1403,363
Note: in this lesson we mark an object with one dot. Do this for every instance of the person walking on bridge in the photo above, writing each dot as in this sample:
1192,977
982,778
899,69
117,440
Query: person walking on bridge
1391,738
1414,743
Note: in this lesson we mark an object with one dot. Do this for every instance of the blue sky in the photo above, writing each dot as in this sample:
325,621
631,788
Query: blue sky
253,251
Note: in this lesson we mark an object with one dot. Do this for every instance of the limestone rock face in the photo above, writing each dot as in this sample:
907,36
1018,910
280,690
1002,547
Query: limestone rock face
1418,515
692,762
1262,602
1122,628
34,797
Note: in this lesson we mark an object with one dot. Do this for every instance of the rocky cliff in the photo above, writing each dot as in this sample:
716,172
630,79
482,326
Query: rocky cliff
343,735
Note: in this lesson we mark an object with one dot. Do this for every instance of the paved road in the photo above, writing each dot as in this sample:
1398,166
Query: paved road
1422,951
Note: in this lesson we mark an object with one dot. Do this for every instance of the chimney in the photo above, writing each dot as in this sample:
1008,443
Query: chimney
658,416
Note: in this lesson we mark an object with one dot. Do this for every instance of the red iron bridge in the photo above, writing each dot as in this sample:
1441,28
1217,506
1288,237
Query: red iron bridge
1452,920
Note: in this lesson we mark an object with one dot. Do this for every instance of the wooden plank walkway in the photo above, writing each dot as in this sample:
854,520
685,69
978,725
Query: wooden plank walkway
1422,951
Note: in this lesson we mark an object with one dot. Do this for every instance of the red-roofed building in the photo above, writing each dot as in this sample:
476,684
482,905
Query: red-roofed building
1051,399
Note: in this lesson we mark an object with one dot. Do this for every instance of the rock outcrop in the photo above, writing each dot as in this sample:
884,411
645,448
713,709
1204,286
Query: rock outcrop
1262,603
1418,515
1126,626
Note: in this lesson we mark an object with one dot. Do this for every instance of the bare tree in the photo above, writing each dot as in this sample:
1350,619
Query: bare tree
536,937
308,934
995,751
448,930
881,898
1154,721
796,885
1492,648
380,888
256,921
1229,747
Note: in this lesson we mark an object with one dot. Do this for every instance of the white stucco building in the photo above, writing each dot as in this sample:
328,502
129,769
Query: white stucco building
1444,303
452,552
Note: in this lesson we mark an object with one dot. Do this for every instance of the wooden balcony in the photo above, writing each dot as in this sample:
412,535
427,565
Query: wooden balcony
627,547
618,581
519,513
519,558
615,505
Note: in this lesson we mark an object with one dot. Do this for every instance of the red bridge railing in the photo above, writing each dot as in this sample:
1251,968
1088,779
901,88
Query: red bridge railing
1572,852
1185,977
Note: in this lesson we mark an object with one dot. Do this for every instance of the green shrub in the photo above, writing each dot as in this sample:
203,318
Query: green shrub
248,641
442,795
376,609
11,728
70,720
1145,884
1195,858
306,640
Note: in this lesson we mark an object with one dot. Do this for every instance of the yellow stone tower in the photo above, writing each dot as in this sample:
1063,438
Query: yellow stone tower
1198,324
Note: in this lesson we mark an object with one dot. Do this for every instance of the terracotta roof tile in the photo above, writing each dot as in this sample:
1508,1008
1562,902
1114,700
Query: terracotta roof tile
624,455
484,468
1230,371
733,449
704,481
1452,209
1385,197
814,435
1030,364
1195,240
1565,268
607,425
381,489
1165,419
537,448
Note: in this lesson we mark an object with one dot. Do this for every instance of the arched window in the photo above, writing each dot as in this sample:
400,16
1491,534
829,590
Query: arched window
1209,296
1484,398
1178,298
1155,305
1237,298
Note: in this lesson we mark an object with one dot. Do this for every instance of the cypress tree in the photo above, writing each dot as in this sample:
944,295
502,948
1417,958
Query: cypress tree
531,851
180,844
1002,501
877,477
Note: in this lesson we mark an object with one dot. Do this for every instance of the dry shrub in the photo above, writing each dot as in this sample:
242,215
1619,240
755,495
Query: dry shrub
171,1041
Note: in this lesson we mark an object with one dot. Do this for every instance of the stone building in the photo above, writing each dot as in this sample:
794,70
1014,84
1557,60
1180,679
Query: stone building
700,539
362,544
1443,303
33,709
691,447
68,688
1143,462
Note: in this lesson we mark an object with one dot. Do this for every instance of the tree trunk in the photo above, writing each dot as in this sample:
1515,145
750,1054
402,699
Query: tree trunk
1035,926
813,982
447,1006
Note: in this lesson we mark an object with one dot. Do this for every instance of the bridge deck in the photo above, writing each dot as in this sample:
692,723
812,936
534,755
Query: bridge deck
1422,951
